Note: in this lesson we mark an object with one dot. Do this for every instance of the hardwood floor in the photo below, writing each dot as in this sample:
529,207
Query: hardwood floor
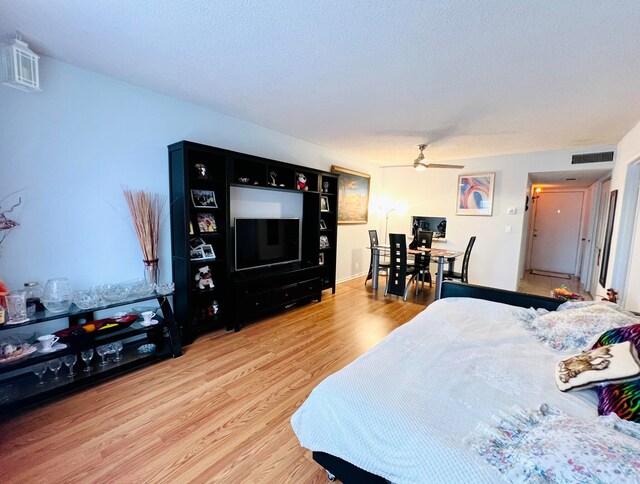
543,285
220,413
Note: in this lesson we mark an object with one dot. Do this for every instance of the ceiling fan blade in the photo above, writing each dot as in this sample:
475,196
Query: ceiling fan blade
397,166
438,165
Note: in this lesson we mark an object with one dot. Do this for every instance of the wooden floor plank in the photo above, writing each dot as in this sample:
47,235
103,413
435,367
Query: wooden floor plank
220,413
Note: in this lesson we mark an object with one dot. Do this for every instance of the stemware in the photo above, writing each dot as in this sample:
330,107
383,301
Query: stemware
102,351
86,356
55,365
117,346
70,360
39,370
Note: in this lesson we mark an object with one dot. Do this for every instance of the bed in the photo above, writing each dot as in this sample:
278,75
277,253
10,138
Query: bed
403,411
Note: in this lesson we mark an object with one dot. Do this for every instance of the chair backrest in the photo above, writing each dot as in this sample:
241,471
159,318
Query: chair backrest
465,261
425,238
373,237
397,281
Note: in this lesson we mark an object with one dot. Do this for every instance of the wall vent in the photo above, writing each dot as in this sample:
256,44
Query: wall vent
592,158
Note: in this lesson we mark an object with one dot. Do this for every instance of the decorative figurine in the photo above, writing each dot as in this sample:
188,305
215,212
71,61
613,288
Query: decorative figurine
243,180
325,186
203,278
273,176
201,171
302,182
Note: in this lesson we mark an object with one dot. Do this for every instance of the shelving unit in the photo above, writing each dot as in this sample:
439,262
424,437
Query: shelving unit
226,169
18,389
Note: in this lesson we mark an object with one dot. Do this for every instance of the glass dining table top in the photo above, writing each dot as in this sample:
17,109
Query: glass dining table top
434,253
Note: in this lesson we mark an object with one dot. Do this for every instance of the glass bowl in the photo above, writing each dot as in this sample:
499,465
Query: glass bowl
57,295
86,299
140,288
146,349
165,289
113,292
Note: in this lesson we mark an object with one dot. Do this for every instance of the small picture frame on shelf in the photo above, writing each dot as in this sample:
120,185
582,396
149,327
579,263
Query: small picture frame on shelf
207,251
323,225
196,253
206,223
324,242
321,259
204,199
201,172
324,204
196,242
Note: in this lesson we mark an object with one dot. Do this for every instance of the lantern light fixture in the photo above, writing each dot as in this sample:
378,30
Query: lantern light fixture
20,66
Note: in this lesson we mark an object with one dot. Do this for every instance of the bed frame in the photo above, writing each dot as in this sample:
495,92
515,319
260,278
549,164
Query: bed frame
351,474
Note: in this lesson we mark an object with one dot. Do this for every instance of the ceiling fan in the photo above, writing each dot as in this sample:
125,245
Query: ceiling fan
421,164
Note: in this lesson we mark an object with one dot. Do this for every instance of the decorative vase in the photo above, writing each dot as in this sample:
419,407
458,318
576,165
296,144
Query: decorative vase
151,271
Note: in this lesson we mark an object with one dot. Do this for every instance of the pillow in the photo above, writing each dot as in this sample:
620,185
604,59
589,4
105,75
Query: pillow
606,364
548,445
575,328
623,399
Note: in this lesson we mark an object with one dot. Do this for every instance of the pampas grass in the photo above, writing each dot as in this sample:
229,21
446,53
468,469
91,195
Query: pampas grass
146,212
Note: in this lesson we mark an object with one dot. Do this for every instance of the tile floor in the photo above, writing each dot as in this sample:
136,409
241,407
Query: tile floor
543,285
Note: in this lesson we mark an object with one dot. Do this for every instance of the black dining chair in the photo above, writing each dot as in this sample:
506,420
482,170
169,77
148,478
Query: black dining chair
462,276
424,241
383,265
398,269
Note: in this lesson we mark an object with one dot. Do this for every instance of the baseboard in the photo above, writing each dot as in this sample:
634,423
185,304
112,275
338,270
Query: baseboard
350,278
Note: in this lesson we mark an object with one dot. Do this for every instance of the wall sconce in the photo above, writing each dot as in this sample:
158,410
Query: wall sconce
20,69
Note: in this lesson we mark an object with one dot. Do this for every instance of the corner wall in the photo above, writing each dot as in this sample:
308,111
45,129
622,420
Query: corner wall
73,146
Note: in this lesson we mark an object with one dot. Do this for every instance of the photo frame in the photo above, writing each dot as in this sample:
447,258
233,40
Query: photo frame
204,199
606,248
196,242
323,225
207,223
324,242
324,204
353,190
475,194
196,253
321,259
208,252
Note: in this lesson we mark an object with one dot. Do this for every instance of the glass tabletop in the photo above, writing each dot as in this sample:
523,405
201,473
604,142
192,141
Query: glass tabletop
434,253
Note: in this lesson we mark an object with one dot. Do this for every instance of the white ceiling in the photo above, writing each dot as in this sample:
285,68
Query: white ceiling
568,179
371,78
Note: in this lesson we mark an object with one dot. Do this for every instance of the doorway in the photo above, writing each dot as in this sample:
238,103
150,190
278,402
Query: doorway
556,232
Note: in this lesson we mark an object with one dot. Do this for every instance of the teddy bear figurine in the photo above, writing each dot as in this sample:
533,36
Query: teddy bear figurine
302,182
203,278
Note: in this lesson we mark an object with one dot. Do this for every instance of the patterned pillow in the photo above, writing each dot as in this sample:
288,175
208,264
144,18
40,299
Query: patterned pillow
623,399
548,445
615,363
575,328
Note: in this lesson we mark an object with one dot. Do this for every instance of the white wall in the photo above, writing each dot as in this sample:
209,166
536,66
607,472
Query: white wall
626,221
495,260
74,145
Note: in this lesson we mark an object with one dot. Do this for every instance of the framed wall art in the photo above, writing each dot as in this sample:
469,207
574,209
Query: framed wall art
353,190
475,194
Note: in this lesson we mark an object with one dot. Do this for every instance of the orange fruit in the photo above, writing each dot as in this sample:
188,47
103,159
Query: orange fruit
89,327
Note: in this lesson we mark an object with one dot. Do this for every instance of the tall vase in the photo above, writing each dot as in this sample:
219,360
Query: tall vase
151,271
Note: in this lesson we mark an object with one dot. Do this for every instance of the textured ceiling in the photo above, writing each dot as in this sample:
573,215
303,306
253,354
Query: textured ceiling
371,78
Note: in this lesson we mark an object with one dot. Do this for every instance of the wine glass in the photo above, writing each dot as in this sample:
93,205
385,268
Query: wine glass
102,351
70,360
117,346
39,370
55,365
86,356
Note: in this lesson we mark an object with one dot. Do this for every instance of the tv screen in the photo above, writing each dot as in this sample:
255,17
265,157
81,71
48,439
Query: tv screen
266,241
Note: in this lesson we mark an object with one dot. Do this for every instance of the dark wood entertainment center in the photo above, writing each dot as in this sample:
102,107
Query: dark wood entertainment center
197,217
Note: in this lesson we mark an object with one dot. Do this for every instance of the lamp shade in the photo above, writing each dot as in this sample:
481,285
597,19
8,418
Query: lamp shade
20,67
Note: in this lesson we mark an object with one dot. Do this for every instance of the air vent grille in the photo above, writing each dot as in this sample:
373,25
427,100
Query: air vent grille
592,158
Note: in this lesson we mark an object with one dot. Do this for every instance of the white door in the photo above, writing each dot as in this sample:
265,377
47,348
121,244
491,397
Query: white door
556,232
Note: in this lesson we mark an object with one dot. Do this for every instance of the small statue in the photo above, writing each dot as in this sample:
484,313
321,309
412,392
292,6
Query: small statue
273,175
201,171
325,186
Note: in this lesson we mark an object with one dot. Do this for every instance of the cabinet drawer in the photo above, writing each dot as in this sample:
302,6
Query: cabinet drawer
285,294
310,287
251,304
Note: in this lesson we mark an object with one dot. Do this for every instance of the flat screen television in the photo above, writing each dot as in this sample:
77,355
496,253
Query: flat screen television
264,242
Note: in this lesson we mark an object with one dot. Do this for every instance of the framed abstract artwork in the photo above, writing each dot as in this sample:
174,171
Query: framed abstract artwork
353,192
475,194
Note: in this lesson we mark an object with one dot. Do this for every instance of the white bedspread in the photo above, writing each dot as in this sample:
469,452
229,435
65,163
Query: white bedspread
402,410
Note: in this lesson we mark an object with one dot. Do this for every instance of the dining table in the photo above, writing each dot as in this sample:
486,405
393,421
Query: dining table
440,256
